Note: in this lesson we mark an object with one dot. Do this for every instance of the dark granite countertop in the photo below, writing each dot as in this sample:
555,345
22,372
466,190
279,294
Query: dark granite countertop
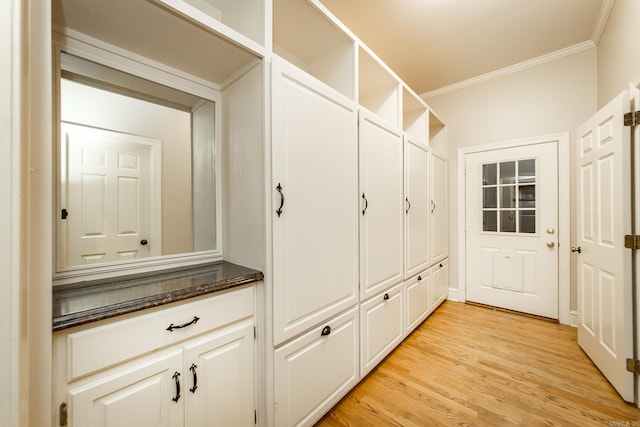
80,303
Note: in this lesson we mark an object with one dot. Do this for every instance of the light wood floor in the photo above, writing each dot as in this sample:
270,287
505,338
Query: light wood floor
474,366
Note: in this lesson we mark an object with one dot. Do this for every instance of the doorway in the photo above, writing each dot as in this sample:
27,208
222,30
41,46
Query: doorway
514,226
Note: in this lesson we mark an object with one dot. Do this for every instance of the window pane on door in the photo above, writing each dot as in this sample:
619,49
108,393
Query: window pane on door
507,173
490,221
527,196
527,221
489,197
508,196
508,221
527,170
489,174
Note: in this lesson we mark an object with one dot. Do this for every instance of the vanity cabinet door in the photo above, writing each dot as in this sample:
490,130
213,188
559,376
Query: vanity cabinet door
144,394
315,202
417,205
219,378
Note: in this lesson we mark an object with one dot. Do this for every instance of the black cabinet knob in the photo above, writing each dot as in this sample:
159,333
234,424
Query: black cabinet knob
143,242
385,297
325,331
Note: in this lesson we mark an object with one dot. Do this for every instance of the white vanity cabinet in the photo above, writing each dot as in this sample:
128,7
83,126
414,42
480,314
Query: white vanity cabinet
161,367
417,291
314,186
381,205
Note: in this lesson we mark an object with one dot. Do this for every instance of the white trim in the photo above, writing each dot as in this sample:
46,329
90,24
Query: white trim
564,266
601,22
571,50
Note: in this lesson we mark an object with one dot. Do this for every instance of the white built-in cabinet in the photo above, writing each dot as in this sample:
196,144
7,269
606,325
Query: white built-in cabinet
381,205
314,187
439,211
136,372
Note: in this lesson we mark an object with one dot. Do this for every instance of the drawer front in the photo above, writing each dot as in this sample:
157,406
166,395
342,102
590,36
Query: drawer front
417,299
94,348
314,371
439,283
382,328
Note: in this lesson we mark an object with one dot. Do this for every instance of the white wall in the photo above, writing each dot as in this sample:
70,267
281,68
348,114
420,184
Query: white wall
111,111
618,51
552,97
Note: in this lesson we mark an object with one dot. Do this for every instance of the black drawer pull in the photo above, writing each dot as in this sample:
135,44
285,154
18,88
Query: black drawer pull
195,377
279,189
325,331
184,325
419,278
385,297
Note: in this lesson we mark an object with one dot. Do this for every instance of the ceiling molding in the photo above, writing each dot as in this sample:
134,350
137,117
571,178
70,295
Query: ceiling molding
571,50
601,22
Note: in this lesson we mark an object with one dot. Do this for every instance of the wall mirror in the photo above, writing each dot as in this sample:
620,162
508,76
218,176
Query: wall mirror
138,172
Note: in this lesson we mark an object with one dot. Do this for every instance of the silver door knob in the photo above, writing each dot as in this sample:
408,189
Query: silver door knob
550,244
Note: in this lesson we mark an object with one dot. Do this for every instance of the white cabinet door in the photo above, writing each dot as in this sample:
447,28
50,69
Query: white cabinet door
439,209
313,372
417,205
315,201
439,283
417,300
146,394
382,206
381,327
219,378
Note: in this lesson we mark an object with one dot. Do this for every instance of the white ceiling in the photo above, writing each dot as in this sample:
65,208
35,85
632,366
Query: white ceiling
434,44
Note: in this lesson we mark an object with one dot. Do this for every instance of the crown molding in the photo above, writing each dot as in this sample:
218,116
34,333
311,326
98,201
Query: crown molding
571,50
601,22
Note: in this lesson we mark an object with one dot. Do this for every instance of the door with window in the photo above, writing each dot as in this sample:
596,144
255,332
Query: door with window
512,228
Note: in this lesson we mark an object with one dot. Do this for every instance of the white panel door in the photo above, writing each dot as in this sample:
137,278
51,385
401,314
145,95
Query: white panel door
604,265
382,206
146,394
439,208
315,201
512,228
417,205
219,378
109,196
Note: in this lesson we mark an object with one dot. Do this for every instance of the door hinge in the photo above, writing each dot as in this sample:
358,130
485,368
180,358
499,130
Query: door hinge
255,416
64,214
255,332
632,118
633,366
632,241
63,414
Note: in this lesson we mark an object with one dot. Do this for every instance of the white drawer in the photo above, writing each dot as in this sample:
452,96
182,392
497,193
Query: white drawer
94,348
381,327
439,283
314,371
417,299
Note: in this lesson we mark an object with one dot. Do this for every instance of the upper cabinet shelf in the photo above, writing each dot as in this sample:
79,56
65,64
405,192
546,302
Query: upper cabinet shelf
378,89
312,42
415,117
155,32
437,140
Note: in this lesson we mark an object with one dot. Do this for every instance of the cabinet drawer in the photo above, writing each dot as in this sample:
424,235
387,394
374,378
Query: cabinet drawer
417,299
314,371
439,283
382,330
91,349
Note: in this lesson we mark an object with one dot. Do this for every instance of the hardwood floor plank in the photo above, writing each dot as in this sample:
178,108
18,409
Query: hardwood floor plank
473,366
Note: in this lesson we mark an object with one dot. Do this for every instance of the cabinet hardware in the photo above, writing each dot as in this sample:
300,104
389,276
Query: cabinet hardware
419,278
176,378
184,325
433,206
144,242
578,249
385,297
325,331
366,204
64,214
408,204
63,414
195,377
279,189
441,265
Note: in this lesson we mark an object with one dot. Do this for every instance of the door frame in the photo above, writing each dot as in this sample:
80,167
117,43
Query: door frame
565,314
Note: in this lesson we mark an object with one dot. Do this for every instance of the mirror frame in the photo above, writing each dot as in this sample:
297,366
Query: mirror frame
114,57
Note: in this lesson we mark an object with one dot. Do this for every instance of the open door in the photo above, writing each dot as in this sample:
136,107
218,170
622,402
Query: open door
605,309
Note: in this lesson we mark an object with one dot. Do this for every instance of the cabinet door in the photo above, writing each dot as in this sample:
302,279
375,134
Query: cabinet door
313,372
315,204
417,300
219,378
439,209
382,206
417,205
381,327
144,394
440,283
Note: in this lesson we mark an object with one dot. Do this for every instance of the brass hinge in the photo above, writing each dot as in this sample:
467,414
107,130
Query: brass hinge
632,241
632,118
633,366
63,414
